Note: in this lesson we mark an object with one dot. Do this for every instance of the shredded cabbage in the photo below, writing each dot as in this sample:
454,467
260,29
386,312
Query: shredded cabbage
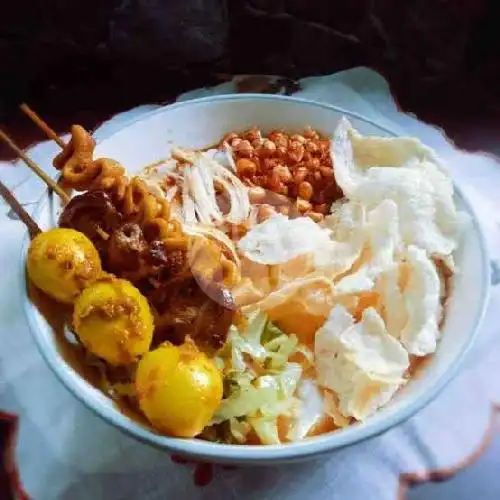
249,342
260,381
239,429
246,400
266,428
280,349
271,332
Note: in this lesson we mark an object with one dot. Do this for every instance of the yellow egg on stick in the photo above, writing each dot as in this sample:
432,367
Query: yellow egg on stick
62,262
178,388
113,320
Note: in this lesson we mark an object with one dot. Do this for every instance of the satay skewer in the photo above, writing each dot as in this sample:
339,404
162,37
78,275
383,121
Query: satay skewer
16,207
42,125
33,166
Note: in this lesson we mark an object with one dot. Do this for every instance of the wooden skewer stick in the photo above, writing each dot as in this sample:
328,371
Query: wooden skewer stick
24,216
31,164
42,125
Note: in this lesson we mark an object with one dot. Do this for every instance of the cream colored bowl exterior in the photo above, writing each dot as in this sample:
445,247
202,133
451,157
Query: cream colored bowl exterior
201,123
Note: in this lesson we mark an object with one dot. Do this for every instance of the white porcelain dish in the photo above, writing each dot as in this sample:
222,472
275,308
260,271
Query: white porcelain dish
200,123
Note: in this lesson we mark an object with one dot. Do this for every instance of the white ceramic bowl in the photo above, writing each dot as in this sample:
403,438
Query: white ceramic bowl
203,122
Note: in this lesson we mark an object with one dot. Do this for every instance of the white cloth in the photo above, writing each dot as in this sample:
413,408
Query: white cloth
65,452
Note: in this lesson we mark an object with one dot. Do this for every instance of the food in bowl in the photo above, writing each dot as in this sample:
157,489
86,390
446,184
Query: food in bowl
270,288
62,262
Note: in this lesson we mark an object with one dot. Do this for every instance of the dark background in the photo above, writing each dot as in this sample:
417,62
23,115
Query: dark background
83,61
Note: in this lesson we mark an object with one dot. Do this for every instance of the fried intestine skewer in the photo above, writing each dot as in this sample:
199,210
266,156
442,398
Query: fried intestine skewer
138,205
124,220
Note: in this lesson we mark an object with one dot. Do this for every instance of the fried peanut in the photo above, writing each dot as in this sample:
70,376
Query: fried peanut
298,138
302,205
279,138
297,166
284,174
243,148
252,135
256,195
229,138
246,167
309,133
311,147
305,190
295,151
301,174
267,149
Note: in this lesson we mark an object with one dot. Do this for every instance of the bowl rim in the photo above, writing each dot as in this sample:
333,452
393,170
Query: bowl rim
250,454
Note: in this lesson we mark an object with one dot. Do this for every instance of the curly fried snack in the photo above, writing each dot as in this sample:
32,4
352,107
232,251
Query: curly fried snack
129,197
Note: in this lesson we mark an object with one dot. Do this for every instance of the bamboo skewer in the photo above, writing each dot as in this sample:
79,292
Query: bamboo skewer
42,125
32,226
33,166
7,195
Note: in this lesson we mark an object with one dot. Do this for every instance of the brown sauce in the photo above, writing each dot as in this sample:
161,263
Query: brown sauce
57,316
